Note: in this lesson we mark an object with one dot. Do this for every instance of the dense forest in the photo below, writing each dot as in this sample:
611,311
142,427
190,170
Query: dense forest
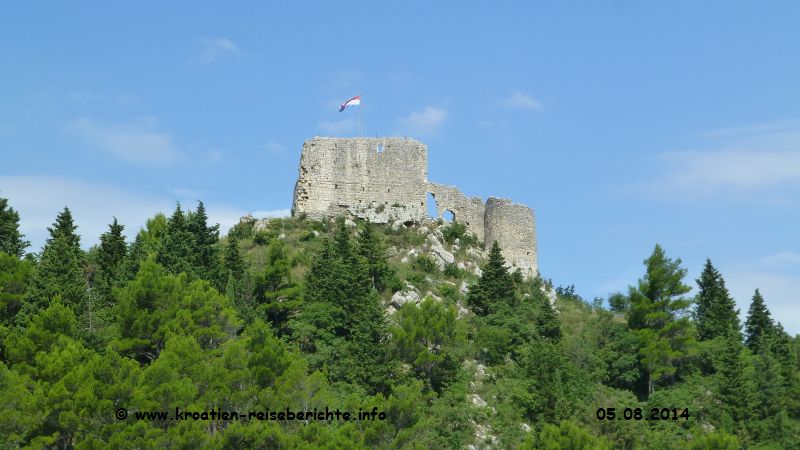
302,315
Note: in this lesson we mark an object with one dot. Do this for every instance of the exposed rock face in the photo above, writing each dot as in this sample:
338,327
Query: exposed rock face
386,179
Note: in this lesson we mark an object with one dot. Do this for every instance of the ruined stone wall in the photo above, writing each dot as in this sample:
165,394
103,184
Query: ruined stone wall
386,179
379,179
468,210
513,226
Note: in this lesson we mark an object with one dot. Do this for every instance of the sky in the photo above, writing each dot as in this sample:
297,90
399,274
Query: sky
622,124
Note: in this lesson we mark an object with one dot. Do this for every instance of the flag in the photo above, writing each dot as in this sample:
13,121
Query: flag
355,101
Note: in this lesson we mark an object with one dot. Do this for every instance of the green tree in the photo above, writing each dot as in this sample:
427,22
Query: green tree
657,313
547,323
157,305
60,270
149,241
567,436
234,262
429,337
494,288
736,379
275,290
110,260
371,248
715,311
11,240
177,254
206,259
758,328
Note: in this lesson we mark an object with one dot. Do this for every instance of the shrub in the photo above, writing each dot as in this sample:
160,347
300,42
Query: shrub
452,271
380,208
458,230
425,264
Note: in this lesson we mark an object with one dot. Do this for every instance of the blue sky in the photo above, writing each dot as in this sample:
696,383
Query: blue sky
623,124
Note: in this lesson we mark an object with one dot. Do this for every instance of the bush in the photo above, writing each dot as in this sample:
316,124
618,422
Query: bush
380,208
262,237
452,271
458,230
425,264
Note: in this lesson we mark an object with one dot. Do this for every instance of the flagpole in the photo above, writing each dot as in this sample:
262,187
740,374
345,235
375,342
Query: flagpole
360,118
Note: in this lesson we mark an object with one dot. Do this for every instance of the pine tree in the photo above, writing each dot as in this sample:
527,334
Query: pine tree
234,262
206,255
658,315
494,288
11,240
547,322
177,254
371,248
60,270
716,311
758,327
736,386
110,259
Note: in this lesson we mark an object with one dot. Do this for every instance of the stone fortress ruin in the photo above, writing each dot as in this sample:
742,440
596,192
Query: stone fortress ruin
385,180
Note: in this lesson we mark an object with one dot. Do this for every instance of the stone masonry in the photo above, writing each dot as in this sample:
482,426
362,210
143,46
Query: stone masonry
386,179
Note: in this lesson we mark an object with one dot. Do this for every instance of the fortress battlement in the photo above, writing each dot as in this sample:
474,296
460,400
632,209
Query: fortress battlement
386,179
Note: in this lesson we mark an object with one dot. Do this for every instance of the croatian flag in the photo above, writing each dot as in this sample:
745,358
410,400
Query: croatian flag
355,101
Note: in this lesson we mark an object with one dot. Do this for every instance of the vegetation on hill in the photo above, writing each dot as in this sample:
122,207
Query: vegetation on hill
309,315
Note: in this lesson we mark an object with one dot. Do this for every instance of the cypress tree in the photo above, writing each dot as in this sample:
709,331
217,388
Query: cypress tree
758,327
716,311
11,240
494,288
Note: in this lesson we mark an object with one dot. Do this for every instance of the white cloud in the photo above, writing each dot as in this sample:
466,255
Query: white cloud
134,142
337,127
740,162
520,100
38,199
785,259
275,148
213,48
426,122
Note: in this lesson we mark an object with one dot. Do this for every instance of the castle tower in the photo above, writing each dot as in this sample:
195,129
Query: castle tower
513,226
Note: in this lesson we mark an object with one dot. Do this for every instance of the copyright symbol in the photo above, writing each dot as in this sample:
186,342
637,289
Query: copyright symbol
121,414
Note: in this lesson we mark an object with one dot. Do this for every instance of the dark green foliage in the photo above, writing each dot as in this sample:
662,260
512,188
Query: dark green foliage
458,230
234,262
758,327
431,340
736,379
424,263
494,288
342,321
715,311
277,295
371,247
206,252
314,334
12,242
60,270
110,259
15,277
547,323
567,436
